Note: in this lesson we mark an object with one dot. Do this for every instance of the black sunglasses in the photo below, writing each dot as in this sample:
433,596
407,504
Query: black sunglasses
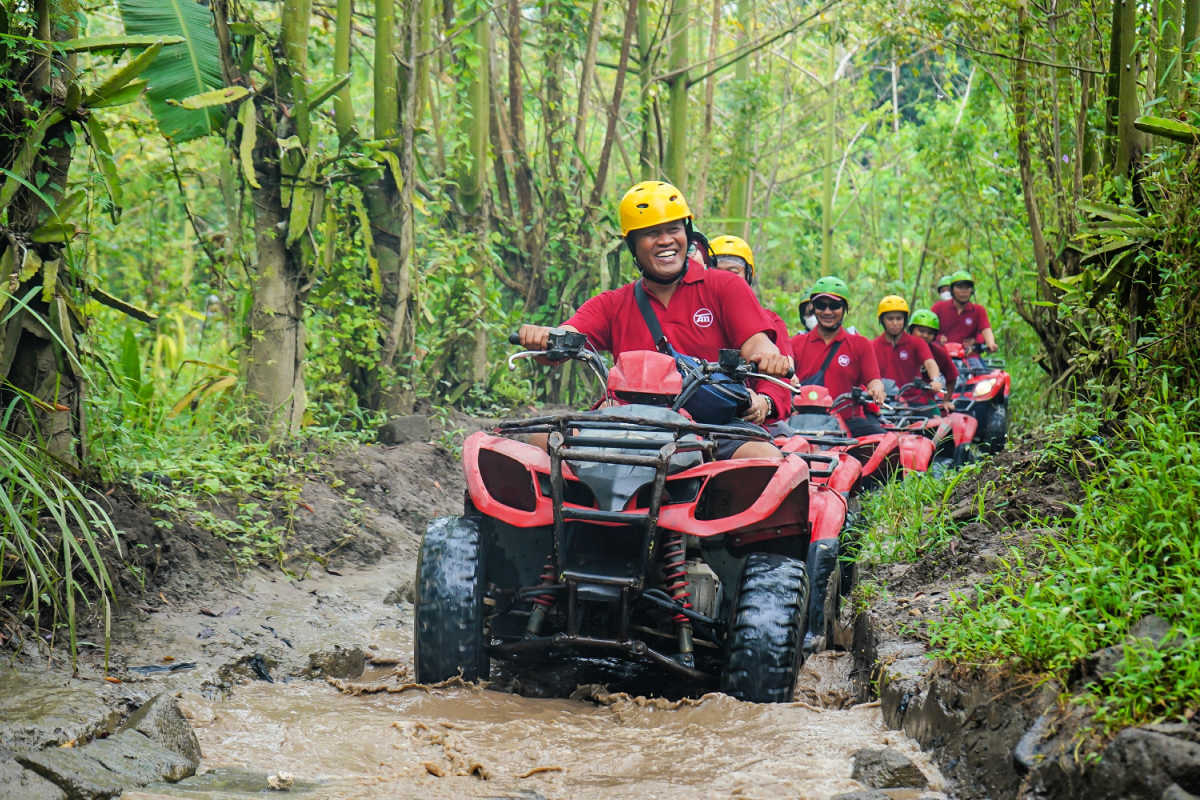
827,305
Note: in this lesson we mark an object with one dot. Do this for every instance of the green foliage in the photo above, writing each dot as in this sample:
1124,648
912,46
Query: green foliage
191,67
1129,552
908,518
51,535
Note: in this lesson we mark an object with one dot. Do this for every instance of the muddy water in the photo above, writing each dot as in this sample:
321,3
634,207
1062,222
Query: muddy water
472,743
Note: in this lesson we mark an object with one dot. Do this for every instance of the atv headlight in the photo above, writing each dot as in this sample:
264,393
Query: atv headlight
984,387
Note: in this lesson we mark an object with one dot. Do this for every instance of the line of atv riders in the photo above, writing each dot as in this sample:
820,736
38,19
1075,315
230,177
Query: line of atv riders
700,521
919,373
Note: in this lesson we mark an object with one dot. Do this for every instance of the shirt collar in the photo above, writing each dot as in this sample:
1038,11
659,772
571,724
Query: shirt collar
695,271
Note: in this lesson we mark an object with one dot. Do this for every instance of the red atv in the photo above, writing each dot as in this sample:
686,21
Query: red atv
983,393
814,420
622,537
948,436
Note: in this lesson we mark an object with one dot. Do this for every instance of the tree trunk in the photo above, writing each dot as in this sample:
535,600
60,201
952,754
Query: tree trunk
738,207
39,368
1129,139
901,215
274,362
676,166
1169,55
275,357
472,183
700,194
1190,59
830,138
649,164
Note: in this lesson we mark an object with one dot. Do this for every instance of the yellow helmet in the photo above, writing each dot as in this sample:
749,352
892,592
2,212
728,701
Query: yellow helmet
651,203
726,245
893,302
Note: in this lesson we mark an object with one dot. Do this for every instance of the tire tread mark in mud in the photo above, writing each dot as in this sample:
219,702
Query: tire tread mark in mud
768,628
449,609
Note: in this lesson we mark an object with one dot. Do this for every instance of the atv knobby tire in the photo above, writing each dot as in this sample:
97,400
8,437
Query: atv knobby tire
766,636
995,431
449,611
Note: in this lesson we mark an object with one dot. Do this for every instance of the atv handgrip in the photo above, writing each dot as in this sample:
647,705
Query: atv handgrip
514,338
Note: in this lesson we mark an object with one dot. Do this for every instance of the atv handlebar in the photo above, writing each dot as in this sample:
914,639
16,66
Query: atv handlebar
858,395
564,345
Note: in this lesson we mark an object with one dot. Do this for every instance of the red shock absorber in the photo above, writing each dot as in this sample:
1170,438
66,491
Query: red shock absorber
547,579
675,570
541,602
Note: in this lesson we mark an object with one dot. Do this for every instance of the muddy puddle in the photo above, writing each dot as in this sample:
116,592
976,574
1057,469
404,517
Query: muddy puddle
466,742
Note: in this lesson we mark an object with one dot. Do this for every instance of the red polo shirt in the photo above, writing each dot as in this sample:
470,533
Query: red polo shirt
780,397
853,365
945,364
949,375
710,310
903,360
960,326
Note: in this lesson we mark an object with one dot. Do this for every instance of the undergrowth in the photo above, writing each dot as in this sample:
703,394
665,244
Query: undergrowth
1130,551
907,518
212,469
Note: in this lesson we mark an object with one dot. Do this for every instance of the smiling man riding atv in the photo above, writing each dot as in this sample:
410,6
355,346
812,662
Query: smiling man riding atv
628,531
700,311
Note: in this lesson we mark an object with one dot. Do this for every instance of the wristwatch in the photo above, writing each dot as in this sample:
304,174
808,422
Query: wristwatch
770,407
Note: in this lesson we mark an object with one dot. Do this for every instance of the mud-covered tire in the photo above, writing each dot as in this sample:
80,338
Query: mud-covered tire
995,433
764,650
833,606
449,611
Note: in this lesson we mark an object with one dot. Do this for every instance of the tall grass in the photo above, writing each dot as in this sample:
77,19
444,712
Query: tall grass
907,519
1131,551
50,537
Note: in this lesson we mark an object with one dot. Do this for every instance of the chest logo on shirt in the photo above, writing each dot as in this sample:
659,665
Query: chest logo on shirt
703,318
903,355
968,320
844,360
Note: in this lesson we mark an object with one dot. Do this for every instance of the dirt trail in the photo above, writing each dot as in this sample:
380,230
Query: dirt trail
254,660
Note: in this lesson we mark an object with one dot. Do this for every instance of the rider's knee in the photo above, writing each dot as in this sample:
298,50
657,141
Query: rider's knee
757,450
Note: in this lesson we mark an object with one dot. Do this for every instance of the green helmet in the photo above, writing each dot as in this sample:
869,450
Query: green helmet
925,318
943,281
962,276
831,285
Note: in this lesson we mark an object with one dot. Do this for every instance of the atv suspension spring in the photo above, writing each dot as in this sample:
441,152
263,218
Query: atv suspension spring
675,571
541,602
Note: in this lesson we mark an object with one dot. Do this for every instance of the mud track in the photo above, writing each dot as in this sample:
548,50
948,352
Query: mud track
267,667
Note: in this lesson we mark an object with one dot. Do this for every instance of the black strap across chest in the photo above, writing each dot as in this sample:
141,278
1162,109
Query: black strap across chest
818,377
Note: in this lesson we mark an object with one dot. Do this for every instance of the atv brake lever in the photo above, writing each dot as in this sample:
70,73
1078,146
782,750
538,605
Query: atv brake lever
774,380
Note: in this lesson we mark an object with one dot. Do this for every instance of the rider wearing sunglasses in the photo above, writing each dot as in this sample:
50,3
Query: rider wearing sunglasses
853,360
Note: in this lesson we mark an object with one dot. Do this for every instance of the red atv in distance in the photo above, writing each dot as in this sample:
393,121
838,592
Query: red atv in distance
949,436
622,537
983,393
814,420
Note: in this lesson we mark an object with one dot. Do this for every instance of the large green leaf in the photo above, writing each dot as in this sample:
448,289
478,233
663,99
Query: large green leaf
181,70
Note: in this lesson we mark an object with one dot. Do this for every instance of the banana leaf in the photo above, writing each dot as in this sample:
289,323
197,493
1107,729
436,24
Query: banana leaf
1169,128
181,70
121,78
93,43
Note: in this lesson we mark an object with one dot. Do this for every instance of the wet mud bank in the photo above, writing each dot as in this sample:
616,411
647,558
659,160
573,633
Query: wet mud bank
996,733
